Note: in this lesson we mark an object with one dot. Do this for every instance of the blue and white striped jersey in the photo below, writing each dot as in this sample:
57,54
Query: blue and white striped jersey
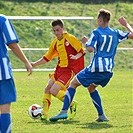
7,36
105,42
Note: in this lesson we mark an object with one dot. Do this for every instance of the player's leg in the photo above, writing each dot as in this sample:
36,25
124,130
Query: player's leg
97,103
63,78
47,99
7,95
70,94
6,124
0,118
61,95
67,101
46,105
73,105
95,98
98,79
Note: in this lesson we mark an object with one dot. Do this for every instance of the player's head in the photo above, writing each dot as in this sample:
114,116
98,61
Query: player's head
58,27
103,17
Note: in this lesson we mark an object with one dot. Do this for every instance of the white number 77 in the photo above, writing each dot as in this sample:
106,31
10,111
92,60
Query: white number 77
104,42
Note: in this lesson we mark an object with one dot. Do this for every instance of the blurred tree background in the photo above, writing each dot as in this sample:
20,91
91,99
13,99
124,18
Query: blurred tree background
38,34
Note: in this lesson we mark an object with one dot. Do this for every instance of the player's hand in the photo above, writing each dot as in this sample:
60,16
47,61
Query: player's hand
28,66
33,64
73,57
84,40
122,21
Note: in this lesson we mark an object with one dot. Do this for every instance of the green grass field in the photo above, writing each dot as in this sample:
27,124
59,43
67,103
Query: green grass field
117,103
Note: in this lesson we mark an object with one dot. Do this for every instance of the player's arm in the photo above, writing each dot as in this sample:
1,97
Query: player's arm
84,39
19,53
89,43
130,36
39,62
124,22
90,49
77,56
50,54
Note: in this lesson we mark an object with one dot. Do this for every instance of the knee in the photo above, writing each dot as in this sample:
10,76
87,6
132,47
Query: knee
54,92
74,84
91,88
5,108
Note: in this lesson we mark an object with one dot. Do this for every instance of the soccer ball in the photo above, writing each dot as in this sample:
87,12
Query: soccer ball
35,111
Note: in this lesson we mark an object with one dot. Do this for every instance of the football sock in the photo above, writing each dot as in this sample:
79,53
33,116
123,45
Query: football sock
68,98
46,103
6,125
61,95
97,101
0,122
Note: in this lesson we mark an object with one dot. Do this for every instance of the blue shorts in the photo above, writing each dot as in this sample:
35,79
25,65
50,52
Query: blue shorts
86,78
7,91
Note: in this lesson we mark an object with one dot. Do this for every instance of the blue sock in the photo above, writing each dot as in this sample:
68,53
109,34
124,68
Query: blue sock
6,123
68,98
0,123
97,102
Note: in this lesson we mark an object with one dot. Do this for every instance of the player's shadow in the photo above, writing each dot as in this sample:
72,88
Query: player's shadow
34,121
95,125
47,122
78,124
65,122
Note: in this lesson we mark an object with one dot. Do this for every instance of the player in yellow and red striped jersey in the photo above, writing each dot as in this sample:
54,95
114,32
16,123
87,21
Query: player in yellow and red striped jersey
70,53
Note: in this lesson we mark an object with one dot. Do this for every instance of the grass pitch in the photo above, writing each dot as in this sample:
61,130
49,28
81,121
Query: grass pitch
116,97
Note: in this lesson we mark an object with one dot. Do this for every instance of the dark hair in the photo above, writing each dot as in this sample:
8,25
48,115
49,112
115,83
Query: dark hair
105,14
56,22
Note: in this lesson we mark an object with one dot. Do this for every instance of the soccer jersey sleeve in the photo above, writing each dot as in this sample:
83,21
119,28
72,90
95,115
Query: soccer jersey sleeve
51,53
122,35
8,31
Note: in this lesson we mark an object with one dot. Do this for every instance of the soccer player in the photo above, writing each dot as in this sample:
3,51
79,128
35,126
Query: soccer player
103,42
124,22
70,53
8,37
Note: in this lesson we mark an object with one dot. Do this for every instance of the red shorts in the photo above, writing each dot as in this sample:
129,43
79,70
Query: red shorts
63,76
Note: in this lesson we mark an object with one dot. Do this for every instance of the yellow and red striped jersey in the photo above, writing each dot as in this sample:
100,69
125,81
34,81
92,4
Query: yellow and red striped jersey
62,48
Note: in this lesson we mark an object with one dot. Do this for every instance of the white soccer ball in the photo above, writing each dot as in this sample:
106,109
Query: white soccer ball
35,111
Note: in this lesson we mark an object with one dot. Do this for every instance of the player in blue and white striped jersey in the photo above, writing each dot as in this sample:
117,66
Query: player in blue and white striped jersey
8,37
103,42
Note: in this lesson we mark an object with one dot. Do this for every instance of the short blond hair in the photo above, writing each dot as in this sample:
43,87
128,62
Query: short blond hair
105,14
